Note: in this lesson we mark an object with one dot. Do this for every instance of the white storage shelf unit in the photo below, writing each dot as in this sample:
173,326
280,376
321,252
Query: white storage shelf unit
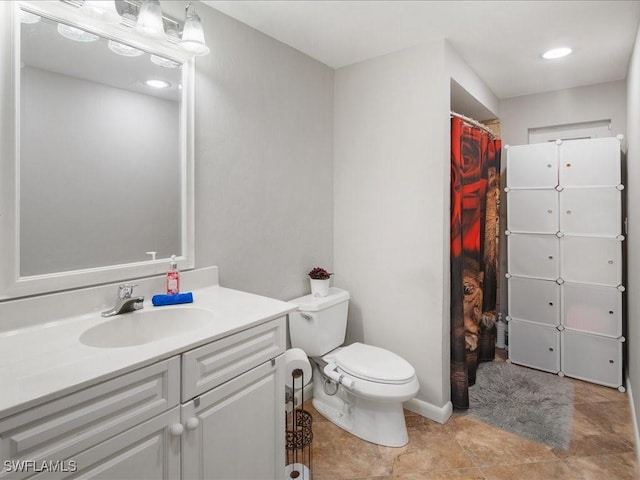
565,258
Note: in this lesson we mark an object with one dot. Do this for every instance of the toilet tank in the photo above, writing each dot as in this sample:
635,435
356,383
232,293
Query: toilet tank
320,323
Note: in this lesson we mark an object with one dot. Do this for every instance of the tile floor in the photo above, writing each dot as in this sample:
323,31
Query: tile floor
602,447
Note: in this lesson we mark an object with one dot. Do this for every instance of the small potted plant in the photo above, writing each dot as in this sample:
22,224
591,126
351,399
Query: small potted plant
320,279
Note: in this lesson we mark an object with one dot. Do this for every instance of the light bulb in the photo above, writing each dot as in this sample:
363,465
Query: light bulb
150,22
103,10
193,35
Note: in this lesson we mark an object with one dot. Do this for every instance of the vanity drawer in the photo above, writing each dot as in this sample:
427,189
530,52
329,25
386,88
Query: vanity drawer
62,428
211,365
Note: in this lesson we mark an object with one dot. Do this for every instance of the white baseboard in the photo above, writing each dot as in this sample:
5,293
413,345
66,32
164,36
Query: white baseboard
634,417
432,412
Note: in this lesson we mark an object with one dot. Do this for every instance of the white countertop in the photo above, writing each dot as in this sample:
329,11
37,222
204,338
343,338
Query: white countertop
45,361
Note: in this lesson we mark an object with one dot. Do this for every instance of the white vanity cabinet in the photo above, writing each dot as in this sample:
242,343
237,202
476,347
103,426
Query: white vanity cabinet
213,412
233,406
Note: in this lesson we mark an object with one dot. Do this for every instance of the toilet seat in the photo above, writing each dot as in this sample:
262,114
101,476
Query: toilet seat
374,364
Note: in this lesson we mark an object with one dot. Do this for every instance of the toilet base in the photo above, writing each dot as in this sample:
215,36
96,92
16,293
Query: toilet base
377,422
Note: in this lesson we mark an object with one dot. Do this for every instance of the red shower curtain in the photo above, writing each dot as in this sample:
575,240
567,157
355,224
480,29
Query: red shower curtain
475,189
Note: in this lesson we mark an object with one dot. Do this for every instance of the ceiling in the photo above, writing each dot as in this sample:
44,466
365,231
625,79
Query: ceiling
500,40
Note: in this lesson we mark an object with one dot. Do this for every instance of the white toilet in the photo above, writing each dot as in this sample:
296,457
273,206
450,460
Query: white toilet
359,387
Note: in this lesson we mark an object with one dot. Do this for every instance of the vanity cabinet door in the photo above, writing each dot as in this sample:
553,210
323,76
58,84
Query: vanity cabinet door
236,431
148,451
60,429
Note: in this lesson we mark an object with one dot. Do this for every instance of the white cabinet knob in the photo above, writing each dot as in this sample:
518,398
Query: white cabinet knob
193,423
176,429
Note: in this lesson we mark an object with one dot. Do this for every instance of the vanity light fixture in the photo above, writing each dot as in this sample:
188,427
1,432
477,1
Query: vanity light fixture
146,18
103,10
193,34
157,83
123,49
149,21
77,34
557,53
28,17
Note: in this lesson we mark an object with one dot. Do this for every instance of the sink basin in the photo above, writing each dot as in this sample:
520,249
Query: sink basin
145,326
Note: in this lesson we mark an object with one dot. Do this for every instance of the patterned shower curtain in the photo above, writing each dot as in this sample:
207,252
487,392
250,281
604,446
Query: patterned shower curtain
475,190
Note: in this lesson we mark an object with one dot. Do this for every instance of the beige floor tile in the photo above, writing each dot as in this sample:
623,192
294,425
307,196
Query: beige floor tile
339,455
427,451
557,470
590,392
488,446
458,474
606,467
600,428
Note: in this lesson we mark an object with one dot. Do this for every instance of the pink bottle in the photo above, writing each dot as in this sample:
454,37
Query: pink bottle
173,277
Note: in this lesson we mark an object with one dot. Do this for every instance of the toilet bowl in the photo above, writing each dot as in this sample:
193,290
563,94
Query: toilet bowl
358,387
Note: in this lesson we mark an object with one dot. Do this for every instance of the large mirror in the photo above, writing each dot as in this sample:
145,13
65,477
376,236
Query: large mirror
102,155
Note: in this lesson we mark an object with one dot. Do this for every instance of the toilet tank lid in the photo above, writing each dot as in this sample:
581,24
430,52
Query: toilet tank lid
309,303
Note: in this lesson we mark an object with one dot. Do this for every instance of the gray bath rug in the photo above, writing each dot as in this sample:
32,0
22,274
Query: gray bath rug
530,403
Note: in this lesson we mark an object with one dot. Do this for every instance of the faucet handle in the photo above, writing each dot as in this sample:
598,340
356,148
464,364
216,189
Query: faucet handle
125,290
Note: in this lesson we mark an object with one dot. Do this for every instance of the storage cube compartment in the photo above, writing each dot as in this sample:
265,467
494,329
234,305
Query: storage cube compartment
592,309
534,256
590,162
532,166
532,211
591,260
534,345
591,211
534,300
592,358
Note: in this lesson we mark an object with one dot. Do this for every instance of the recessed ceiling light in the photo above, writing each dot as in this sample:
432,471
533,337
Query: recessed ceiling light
557,53
158,83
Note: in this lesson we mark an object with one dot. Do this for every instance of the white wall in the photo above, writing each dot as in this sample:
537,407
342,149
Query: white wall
391,182
633,238
572,105
264,160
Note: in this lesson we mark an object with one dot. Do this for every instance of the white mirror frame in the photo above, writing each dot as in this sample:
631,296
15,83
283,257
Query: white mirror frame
12,285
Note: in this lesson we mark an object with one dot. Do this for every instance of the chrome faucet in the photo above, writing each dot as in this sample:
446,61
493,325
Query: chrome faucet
125,302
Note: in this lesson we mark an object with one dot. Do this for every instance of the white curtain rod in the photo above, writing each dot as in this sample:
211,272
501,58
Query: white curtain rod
471,121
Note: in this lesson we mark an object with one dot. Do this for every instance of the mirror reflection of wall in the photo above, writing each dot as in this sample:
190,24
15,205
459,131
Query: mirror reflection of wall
100,163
